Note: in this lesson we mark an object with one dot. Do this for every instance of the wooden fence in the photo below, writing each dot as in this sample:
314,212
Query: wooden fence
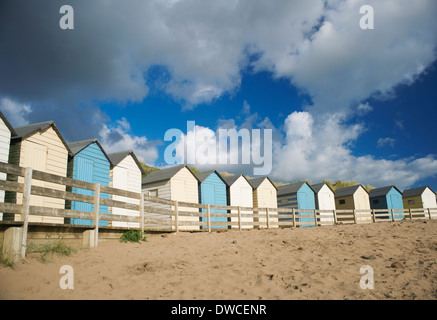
156,214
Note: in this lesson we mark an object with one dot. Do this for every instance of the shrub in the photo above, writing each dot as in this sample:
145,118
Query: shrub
133,236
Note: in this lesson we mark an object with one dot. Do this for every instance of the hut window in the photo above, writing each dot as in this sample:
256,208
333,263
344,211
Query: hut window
343,201
376,201
153,193
410,201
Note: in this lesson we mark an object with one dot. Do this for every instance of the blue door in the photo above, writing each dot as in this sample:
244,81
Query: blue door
211,195
84,171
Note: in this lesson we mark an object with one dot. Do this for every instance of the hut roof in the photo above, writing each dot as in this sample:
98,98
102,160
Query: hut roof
201,176
381,191
347,191
415,191
165,174
117,157
256,182
230,180
317,187
78,146
290,188
23,132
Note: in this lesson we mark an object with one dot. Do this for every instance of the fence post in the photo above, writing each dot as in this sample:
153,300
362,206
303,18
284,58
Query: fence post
176,218
26,205
315,219
142,212
392,215
208,213
267,217
355,216
293,214
429,213
334,212
96,213
239,218
373,216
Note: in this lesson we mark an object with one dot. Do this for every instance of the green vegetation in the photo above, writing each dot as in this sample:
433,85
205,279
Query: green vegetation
59,248
5,261
133,236
147,169
343,184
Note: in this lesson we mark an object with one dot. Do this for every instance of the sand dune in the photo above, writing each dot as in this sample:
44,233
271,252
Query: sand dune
306,263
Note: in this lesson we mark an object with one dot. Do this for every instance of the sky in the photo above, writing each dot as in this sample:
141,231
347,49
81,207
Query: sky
341,102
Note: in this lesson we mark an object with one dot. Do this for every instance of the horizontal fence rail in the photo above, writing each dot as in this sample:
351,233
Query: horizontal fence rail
158,214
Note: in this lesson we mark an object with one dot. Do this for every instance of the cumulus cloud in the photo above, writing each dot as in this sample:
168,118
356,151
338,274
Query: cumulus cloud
318,150
15,112
382,142
116,138
205,44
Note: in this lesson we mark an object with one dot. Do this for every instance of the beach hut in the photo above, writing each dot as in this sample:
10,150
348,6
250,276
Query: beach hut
325,200
353,198
297,195
41,147
419,198
239,194
89,163
386,198
126,174
212,190
173,183
6,131
264,196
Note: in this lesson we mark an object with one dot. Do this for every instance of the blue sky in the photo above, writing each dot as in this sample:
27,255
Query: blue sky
343,103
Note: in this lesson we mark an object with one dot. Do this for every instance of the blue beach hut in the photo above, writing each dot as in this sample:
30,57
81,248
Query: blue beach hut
89,163
386,198
212,190
297,195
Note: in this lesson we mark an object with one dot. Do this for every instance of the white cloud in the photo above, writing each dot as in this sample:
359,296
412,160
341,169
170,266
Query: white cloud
318,149
116,138
15,112
205,44
382,142
364,108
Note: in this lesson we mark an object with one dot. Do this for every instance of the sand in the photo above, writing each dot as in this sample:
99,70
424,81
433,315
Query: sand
305,263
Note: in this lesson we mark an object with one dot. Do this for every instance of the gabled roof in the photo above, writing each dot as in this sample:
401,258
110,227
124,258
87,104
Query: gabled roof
382,191
230,180
415,191
291,188
5,120
165,174
347,191
118,157
317,187
201,176
256,182
28,130
78,146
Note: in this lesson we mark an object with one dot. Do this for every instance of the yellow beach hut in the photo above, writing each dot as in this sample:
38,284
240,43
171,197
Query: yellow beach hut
353,198
173,183
41,147
264,196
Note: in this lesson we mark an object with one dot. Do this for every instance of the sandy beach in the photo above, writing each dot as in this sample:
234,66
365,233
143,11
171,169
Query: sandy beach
305,263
